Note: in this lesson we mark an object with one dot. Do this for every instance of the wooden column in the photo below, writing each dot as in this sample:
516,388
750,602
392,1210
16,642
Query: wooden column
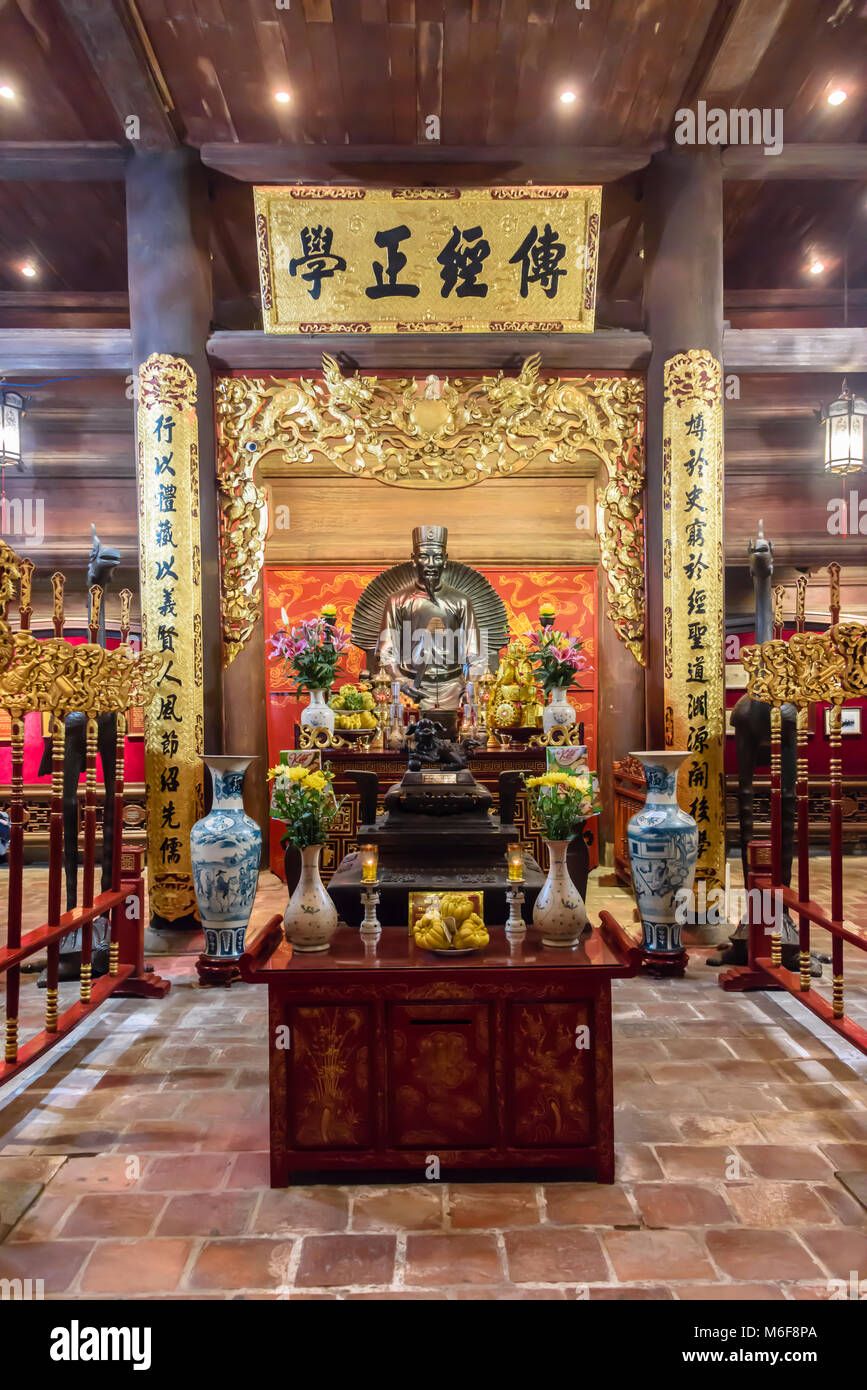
683,303
244,722
620,717
170,307
170,314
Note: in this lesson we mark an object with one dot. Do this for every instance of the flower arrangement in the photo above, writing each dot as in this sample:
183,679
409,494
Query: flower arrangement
311,653
556,657
560,800
304,798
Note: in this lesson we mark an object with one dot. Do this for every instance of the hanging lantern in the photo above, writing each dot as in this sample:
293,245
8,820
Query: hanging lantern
844,433
11,410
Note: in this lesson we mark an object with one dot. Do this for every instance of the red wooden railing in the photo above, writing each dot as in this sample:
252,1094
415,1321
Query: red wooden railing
122,904
765,969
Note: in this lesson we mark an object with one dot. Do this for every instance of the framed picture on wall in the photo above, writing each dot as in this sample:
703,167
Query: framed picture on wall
850,721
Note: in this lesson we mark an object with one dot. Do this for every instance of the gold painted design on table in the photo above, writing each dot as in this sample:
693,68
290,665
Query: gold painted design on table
692,594
167,436
408,260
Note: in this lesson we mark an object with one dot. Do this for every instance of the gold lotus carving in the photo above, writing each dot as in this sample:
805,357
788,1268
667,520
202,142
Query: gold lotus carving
437,433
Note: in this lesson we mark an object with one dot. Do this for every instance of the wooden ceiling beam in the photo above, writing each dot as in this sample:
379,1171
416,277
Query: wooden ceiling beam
747,38
92,301
104,350
126,66
437,164
800,297
812,161
795,349
615,349
109,350
83,161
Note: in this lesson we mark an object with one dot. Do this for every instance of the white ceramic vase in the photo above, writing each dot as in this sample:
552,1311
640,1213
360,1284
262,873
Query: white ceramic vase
318,714
558,713
559,912
310,919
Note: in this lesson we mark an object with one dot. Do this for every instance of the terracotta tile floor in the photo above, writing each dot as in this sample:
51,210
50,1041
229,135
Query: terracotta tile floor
149,1138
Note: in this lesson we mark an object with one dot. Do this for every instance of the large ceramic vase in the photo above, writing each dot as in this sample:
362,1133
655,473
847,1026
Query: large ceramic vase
559,912
318,714
663,847
310,919
558,713
225,848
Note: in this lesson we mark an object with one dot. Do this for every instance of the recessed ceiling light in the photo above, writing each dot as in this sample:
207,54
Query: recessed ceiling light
816,267
282,97
7,93
567,97
837,97
28,269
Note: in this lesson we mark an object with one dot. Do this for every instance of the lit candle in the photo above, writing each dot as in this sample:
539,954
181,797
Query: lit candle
369,863
515,861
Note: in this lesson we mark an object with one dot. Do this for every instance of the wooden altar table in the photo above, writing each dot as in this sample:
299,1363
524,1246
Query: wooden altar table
386,1057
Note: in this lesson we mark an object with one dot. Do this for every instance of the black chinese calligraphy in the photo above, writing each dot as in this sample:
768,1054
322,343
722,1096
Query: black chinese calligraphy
318,262
386,276
539,257
462,259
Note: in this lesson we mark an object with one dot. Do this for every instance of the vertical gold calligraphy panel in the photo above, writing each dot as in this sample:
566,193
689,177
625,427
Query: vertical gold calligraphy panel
693,619
170,567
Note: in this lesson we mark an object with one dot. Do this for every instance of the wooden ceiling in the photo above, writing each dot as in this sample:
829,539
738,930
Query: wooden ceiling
370,72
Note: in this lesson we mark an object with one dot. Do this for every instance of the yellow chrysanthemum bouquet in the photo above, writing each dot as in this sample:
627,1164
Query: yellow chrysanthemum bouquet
562,800
303,798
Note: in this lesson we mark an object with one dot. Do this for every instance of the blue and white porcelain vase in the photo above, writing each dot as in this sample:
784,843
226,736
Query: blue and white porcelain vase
225,847
317,713
663,847
558,713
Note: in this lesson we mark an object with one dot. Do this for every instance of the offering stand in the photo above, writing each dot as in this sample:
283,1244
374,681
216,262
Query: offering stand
384,1056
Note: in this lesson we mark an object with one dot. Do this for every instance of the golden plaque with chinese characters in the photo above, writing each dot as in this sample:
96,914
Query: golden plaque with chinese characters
170,568
428,260
692,573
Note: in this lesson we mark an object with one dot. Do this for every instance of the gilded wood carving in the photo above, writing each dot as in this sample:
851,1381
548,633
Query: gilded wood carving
438,433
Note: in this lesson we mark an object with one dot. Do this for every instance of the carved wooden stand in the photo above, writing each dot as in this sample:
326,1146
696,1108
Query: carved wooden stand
216,972
385,1057
663,964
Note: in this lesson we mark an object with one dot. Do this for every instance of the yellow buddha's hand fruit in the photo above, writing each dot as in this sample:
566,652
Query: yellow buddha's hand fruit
368,700
471,934
429,932
367,720
456,905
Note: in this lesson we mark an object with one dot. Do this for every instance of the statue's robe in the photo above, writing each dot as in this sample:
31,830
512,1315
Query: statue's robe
430,641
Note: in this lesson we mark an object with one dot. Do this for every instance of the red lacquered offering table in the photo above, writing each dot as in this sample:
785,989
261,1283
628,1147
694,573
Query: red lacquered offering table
386,1057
